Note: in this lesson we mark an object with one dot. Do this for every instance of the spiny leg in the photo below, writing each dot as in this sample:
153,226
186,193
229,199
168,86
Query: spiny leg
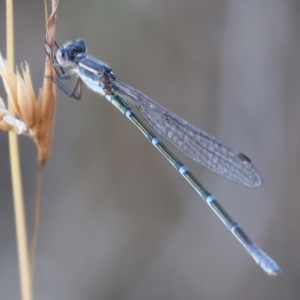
74,92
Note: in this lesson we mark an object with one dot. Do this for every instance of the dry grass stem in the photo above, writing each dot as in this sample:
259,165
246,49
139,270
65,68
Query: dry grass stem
25,279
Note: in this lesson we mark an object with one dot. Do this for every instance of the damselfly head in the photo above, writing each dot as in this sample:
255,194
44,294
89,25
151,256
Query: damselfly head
71,52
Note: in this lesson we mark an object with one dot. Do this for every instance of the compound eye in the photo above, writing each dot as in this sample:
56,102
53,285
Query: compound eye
81,44
61,56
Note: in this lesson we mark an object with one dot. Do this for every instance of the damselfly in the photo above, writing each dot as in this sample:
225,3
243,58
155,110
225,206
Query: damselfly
191,140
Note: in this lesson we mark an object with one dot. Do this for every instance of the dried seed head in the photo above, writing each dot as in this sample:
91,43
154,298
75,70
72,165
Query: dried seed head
36,115
20,92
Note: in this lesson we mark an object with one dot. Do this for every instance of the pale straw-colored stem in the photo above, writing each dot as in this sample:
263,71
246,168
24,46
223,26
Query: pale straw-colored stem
25,278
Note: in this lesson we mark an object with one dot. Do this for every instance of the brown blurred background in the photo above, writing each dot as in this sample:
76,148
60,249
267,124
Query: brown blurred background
117,221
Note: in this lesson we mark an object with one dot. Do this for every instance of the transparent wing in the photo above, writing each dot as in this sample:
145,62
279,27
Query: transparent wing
193,141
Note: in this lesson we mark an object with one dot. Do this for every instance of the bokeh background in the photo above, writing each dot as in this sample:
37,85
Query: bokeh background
117,221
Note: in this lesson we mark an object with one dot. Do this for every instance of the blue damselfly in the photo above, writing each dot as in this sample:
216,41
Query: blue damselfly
191,140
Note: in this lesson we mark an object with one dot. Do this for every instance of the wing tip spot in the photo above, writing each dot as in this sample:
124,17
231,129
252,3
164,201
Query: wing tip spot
244,158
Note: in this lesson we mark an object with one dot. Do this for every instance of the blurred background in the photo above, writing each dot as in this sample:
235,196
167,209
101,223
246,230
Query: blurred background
117,221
